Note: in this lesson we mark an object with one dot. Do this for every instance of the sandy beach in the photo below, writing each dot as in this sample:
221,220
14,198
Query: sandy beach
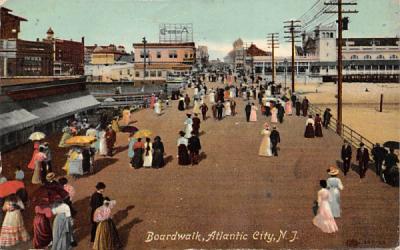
361,107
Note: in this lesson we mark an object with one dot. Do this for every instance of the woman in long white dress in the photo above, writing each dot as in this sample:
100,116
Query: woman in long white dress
324,219
274,115
211,97
103,143
157,108
188,126
148,153
334,186
265,147
228,110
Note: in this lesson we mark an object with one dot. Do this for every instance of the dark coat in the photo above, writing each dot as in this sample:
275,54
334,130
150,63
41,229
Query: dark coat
378,153
96,201
346,152
275,137
362,156
194,144
158,154
248,109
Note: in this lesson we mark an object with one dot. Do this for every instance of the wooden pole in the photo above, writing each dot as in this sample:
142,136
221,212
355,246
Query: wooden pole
381,104
273,59
339,94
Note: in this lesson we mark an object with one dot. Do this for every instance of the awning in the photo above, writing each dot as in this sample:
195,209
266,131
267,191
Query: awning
52,108
13,117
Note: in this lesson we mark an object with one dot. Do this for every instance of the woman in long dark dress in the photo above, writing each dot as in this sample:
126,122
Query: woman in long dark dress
138,149
183,154
158,153
181,104
309,133
318,126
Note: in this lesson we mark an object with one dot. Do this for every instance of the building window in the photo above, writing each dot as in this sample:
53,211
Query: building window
142,54
120,72
354,57
137,74
158,54
159,73
393,57
331,34
186,55
153,73
380,57
172,54
146,73
367,57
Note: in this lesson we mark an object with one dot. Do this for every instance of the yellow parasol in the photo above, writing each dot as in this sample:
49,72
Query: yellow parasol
143,133
80,140
37,136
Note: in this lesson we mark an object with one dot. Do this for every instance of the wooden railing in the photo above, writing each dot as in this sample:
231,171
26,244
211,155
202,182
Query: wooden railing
347,133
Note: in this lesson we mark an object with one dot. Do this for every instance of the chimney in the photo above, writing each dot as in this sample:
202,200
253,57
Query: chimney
37,40
83,40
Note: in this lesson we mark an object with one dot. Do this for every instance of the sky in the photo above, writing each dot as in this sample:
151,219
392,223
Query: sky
216,23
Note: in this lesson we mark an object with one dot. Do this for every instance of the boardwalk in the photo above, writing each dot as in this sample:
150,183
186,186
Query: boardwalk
233,190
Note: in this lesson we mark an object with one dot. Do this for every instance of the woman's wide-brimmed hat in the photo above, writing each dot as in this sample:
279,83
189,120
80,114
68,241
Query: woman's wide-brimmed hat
50,177
333,170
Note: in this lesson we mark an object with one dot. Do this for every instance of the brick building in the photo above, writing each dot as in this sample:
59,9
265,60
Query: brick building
68,55
9,24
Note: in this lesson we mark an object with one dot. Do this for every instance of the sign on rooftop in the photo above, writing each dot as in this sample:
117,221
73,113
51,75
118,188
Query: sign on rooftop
176,33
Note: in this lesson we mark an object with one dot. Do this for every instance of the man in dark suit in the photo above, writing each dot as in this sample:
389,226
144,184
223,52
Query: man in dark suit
327,117
298,107
378,154
275,139
346,156
96,201
247,109
220,107
281,112
363,159
194,147
293,98
304,106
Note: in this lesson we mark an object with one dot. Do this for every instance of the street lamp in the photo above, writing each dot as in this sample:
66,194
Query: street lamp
144,57
285,62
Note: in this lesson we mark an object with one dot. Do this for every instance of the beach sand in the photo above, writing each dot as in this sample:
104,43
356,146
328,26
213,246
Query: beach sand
361,108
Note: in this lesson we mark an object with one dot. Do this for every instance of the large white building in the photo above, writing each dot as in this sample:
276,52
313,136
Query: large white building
316,59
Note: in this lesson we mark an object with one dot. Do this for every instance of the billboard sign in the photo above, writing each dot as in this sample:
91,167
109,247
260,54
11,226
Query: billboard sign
176,33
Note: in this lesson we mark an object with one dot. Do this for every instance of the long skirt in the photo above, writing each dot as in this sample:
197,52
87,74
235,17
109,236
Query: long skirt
181,105
137,160
147,160
288,108
13,230
62,232
309,133
183,155
274,117
103,150
107,237
265,147
36,173
158,159
253,116
318,130
42,235
324,219
334,203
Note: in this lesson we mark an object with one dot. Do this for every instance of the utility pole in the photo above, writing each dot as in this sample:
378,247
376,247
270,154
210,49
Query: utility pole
292,27
144,57
340,11
273,43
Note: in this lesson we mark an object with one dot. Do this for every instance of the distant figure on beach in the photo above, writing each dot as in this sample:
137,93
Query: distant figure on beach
327,117
363,159
310,132
346,155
